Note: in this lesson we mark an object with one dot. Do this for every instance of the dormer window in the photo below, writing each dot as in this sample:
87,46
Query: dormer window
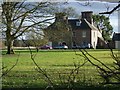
78,23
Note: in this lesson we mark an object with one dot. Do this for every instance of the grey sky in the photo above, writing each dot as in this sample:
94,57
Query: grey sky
96,7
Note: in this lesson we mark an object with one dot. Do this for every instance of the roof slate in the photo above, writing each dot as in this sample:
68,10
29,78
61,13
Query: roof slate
72,23
85,25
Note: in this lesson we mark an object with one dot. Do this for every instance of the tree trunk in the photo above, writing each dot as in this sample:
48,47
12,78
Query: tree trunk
10,47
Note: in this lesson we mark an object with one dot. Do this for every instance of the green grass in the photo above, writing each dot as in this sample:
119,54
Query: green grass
54,62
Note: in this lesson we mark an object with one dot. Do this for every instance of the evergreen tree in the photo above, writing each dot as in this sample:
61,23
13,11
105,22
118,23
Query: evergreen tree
103,24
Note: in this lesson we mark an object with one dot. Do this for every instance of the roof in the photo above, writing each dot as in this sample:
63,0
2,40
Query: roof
116,37
72,23
86,25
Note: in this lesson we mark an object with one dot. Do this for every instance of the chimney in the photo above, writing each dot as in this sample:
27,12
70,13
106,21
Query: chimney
61,17
88,16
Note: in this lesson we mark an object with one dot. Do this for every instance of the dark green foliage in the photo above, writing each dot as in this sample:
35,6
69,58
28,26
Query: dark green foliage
59,31
103,24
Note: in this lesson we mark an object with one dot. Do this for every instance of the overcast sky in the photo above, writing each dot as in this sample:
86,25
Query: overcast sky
90,5
96,7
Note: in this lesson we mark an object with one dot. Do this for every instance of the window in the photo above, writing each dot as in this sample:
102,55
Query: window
78,23
84,34
101,44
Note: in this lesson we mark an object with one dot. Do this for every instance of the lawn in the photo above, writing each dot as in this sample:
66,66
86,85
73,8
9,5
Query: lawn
57,64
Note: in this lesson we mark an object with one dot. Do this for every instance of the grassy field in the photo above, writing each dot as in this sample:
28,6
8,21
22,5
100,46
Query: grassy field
58,65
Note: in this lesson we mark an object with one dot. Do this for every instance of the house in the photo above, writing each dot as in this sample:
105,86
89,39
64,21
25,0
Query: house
78,32
84,31
116,39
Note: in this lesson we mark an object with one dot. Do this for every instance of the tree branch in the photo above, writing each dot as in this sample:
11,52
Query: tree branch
7,71
39,69
110,12
27,27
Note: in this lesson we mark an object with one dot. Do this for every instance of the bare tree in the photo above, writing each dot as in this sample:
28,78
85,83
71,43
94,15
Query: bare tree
115,72
19,17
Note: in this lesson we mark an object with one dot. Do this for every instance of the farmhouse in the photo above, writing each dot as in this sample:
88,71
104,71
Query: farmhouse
75,32
116,39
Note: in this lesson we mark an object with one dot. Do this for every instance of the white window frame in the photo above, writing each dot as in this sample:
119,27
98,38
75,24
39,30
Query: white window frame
84,34
78,23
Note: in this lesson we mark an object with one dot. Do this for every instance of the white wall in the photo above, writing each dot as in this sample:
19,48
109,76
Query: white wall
94,38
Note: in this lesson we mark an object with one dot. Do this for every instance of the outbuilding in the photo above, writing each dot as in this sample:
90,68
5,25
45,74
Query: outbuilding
116,39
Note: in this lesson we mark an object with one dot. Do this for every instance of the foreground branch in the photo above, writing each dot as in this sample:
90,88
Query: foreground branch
8,70
39,69
110,12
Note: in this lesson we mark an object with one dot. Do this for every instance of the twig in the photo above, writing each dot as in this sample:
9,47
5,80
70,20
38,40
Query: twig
40,70
7,71
110,12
